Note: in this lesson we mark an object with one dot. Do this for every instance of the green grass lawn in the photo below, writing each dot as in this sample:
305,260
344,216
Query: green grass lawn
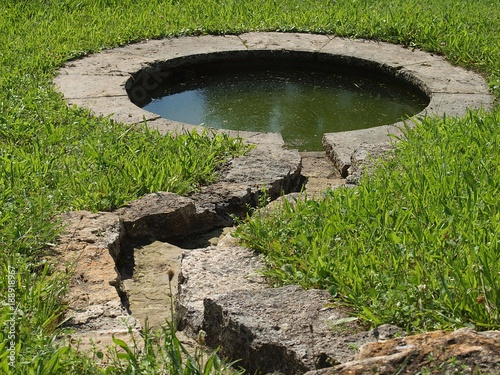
54,158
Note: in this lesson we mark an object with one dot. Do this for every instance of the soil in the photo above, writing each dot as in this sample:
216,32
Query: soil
320,173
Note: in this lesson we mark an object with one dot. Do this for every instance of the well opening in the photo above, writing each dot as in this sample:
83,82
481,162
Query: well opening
299,94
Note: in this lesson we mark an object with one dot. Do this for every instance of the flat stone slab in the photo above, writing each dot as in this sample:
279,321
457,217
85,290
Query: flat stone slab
100,81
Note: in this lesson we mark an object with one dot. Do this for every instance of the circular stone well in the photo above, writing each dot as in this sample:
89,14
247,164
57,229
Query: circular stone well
300,95
100,81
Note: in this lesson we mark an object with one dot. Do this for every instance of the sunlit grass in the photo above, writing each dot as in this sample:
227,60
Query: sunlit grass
416,244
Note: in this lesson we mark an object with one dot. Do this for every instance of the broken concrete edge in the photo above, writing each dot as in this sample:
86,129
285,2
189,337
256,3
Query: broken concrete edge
287,330
340,147
103,240
102,82
224,295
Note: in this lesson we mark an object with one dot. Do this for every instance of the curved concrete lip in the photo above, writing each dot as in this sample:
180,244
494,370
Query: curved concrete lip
99,81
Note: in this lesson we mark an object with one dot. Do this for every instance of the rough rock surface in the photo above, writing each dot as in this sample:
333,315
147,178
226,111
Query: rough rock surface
87,250
287,330
268,168
461,352
221,269
365,157
99,247
340,147
158,216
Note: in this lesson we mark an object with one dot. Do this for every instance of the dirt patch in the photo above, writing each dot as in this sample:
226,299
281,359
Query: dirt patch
319,172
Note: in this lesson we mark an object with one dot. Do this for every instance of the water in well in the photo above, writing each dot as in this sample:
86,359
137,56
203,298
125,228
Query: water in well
300,103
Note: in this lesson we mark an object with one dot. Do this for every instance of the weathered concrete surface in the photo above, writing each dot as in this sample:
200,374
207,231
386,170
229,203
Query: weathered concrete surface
119,64
87,246
268,168
290,331
287,330
110,295
220,291
87,250
214,270
341,146
158,216
460,352
365,157
451,90
285,41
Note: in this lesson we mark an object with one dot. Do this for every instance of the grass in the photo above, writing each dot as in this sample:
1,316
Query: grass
416,244
161,352
54,158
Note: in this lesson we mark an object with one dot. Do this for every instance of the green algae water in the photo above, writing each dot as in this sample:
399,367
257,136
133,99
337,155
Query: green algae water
301,104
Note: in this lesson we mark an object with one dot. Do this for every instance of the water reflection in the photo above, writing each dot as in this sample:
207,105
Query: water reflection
302,105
